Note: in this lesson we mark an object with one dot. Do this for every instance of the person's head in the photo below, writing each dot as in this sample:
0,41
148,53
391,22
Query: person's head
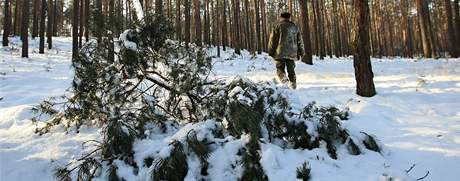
285,15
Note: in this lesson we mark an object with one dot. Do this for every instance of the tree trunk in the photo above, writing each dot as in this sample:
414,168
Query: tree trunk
25,29
406,30
320,30
17,17
236,27
178,21
453,50
308,57
187,21
99,20
224,26
159,6
49,27
338,41
7,23
457,25
218,22
55,18
75,22
41,49
206,23
197,20
87,17
257,24
81,21
315,29
361,60
35,19
264,26
423,15
248,26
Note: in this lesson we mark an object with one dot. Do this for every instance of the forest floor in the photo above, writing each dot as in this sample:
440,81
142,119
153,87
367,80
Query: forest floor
415,115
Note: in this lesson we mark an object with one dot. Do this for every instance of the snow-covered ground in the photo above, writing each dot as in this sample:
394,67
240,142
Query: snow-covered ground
416,116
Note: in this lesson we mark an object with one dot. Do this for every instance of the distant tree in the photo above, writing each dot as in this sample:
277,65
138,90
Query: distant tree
453,49
456,15
425,28
41,48
99,20
17,17
319,28
224,25
361,59
308,57
406,29
187,21
178,21
87,17
25,29
49,26
236,27
35,18
258,42
75,22
6,23
197,20
206,28
159,6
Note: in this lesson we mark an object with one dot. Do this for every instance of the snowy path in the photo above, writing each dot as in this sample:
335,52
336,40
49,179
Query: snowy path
416,115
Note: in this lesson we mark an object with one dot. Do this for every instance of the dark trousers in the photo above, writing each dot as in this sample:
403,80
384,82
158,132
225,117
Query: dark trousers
281,65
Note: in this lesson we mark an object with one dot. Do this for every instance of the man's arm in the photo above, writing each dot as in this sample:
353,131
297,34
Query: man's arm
273,41
300,45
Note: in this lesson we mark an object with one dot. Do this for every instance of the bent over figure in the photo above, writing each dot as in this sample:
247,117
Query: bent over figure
286,46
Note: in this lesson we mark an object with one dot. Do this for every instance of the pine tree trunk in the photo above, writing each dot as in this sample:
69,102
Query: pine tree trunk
315,29
178,21
87,17
218,23
450,31
422,10
187,21
55,18
206,23
406,28
247,26
159,6
320,30
7,24
35,19
264,26
224,25
25,29
81,21
338,41
49,32
99,20
236,27
197,20
456,15
17,17
257,24
361,60
41,48
75,22
308,57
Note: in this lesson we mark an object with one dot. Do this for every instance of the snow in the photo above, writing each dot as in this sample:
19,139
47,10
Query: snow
415,116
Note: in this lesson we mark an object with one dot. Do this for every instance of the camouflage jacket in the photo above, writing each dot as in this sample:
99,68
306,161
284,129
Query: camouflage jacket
285,41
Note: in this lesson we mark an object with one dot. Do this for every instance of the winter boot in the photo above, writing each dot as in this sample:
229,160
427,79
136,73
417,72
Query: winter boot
292,85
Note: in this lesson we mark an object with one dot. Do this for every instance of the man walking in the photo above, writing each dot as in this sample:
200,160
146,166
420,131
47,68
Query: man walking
286,46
